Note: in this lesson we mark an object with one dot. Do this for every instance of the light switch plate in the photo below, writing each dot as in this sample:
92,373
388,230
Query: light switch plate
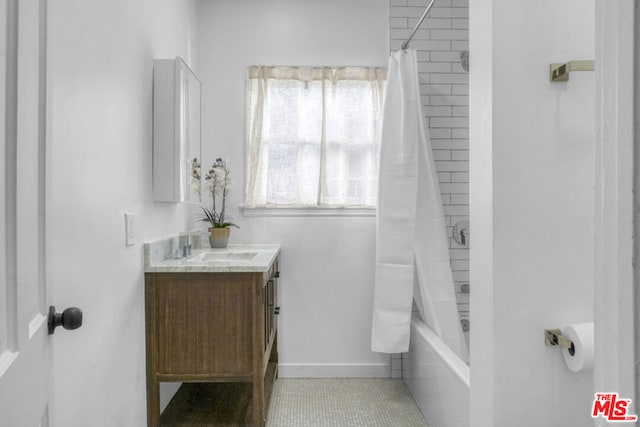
129,229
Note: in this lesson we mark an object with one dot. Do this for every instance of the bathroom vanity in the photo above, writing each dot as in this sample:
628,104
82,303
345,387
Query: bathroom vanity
211,325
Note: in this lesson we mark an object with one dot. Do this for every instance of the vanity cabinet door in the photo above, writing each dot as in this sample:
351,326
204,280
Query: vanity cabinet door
204,325
270,310
276,304
270,298
265,312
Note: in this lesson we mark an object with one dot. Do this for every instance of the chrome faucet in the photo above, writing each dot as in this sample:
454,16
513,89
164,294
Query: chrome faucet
184,247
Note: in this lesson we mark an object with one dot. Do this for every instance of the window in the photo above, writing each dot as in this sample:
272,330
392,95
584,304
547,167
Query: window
313,136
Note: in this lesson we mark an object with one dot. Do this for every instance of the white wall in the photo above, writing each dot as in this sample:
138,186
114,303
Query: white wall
531,209
100,139
327,263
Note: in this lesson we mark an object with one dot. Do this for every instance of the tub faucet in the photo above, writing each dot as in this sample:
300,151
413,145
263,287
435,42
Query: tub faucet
460,233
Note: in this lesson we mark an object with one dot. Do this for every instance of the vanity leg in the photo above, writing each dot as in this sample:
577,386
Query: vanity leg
153,385
258,404
153,403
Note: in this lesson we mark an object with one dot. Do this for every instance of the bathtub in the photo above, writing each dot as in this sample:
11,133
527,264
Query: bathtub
437,378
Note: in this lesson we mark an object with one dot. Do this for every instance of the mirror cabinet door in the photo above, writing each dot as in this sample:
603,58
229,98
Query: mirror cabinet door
189,134
176,132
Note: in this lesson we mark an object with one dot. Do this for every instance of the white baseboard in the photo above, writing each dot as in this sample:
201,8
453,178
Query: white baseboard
334,370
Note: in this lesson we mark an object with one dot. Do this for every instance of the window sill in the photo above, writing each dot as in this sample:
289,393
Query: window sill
307,211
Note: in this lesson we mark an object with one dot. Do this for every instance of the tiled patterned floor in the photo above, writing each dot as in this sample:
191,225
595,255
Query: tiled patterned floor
343,403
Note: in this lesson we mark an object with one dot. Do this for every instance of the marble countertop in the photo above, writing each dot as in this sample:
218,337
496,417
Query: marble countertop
232,259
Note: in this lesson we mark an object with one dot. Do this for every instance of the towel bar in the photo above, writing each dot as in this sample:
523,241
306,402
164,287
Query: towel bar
560,72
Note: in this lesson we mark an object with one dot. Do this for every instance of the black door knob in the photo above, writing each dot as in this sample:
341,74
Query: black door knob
70,318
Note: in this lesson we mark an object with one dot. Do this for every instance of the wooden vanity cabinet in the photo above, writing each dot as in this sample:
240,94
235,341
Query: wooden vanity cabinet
217,334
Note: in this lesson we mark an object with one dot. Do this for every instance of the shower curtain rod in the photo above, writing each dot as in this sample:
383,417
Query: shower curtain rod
424,15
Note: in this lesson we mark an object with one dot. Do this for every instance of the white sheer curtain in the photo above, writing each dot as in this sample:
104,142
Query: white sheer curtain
313,136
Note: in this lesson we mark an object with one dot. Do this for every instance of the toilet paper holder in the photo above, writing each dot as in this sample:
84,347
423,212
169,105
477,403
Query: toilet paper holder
554,338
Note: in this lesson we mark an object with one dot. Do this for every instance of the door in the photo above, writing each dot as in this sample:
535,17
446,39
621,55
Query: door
24,341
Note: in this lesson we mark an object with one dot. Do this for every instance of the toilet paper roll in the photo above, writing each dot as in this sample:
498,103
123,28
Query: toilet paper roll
582,337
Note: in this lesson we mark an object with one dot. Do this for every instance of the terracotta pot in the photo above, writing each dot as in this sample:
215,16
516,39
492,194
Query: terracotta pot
219,237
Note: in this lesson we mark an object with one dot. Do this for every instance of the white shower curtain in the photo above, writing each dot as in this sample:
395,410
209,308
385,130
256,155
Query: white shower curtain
412,254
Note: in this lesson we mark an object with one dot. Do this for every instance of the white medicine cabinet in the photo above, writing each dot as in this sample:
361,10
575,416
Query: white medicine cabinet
176,132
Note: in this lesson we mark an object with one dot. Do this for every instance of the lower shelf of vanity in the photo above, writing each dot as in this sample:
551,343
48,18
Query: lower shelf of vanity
215,404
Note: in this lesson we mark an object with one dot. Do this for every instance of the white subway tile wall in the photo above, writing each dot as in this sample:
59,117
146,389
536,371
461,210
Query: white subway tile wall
444,87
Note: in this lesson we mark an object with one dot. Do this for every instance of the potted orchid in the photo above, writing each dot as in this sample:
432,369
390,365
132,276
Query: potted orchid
218,180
